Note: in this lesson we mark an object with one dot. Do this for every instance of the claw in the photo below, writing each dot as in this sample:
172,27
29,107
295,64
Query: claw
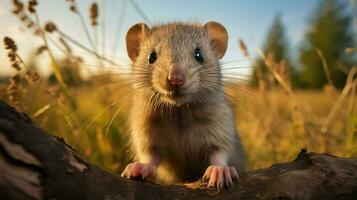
234,173
127,171
227,177
220,176
139,170
207,173
144,172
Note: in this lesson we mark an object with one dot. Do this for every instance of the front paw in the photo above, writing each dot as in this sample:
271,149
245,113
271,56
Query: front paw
137,169
219,176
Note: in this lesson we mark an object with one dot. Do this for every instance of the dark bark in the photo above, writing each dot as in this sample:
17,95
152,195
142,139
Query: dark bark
36,165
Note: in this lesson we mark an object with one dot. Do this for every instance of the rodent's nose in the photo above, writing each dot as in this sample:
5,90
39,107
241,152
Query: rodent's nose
176,78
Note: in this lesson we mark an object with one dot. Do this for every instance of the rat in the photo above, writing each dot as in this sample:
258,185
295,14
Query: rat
181,123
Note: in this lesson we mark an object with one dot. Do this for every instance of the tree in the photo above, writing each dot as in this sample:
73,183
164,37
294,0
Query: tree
329,33
276,45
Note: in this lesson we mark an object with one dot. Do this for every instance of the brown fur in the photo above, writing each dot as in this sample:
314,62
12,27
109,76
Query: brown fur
181,132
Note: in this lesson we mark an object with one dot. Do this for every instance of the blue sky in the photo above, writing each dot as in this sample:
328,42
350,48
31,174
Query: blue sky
245,19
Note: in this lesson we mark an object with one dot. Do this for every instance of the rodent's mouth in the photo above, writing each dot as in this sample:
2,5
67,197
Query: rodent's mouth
174,97
176,93
172,92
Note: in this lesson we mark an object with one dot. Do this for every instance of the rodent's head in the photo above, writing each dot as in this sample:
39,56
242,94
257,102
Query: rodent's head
178,62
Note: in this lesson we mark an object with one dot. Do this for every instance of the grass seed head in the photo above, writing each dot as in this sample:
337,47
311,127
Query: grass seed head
72,6
16,66
11,46
18,7
12,56
14,91
40,50
32,6
32,77
50,27
243,48
21,14
94,14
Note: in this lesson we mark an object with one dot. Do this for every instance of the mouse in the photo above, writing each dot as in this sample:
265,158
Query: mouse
182,126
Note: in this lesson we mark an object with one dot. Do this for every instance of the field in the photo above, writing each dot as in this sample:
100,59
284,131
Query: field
273,129
90,112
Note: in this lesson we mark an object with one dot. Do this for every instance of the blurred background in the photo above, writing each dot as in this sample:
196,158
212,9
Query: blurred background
290,71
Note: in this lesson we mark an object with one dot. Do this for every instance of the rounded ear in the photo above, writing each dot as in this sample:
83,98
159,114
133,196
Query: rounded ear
133,38
219,38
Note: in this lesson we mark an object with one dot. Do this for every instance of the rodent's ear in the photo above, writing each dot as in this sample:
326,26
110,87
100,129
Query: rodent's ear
219,38
133,38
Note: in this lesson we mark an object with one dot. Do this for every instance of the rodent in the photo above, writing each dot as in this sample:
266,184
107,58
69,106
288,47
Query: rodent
181,124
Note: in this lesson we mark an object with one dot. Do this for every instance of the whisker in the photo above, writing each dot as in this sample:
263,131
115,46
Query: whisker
114,117
105,67
99,115
233,87
236,61
80,91
235,80
236,74
106,86
227,78
93,120
225,74
122,75
235,68
246,92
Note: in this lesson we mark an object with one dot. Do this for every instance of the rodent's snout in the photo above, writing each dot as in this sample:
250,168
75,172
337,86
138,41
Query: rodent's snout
176,77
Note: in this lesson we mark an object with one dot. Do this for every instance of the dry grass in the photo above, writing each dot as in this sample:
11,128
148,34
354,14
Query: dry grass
274,123
273,133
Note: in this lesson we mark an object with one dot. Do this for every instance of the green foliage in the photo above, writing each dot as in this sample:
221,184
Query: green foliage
329,32
275,44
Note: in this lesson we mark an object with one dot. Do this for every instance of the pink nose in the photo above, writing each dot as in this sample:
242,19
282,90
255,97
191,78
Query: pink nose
176,78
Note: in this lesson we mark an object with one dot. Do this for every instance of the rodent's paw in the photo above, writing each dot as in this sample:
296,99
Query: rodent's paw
219,176
137,169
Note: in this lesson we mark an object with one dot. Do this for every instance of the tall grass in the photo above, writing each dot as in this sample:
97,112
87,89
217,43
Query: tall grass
91,112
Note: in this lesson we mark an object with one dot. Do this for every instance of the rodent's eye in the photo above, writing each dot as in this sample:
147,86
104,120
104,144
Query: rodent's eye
152,57
198,55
